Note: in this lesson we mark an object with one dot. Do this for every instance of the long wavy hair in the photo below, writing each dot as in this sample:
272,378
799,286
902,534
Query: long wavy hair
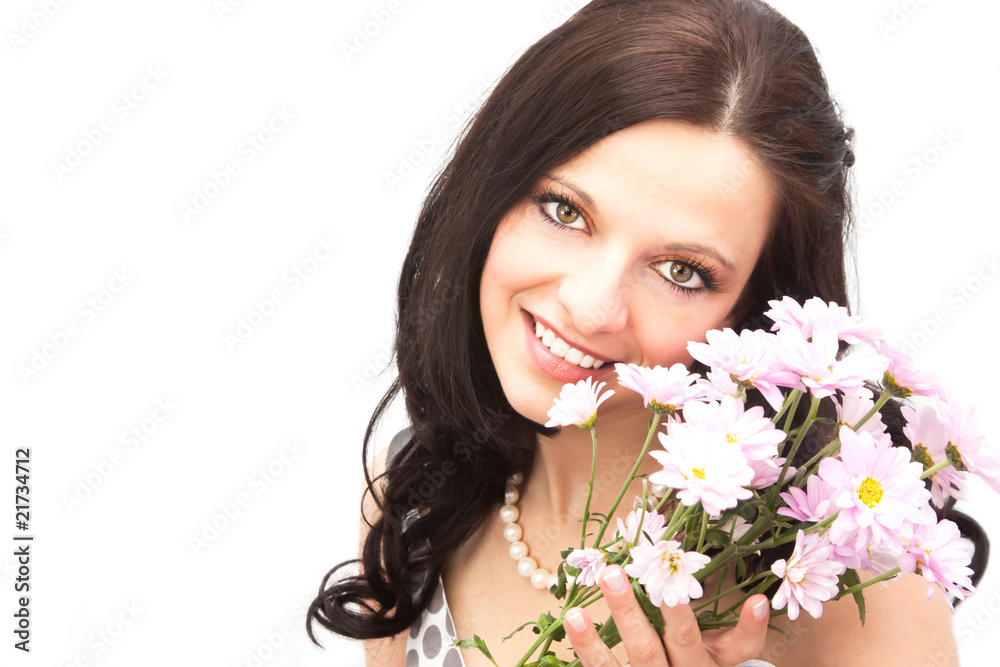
735,67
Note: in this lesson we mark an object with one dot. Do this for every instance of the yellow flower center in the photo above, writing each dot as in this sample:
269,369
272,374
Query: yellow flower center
731,438
699,472
870,492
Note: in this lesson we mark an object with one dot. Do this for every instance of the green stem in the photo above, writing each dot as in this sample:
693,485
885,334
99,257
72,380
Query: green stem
788,536
829,450
796,396
865,584
737,587
676,519
590,489
784,406
875,408
701,534
935,468
628,480
813,409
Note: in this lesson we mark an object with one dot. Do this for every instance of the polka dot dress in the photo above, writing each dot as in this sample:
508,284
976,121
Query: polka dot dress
431,635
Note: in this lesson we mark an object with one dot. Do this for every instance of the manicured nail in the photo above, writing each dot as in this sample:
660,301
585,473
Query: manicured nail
575,620
760,610
615,581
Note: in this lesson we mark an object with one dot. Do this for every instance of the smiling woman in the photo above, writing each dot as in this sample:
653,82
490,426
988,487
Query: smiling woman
624,254
645,173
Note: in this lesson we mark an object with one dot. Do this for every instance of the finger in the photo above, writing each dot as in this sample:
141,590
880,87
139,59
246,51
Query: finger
681,636
583,637
642,643
747,639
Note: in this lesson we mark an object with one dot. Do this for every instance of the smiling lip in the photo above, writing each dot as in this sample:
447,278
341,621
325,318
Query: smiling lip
555,367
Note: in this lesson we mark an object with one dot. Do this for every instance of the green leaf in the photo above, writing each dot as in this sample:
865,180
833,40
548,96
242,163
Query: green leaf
651,611
477,642
851,578
559,589
611,636
716,538
550,660
788,639
741,569
518,629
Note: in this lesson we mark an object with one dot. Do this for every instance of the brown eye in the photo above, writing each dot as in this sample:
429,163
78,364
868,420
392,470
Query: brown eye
681,273
566,214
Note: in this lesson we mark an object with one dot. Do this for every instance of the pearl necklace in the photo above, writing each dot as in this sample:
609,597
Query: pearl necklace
513,533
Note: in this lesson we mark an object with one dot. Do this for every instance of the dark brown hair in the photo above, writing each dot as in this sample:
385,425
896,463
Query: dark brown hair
736,67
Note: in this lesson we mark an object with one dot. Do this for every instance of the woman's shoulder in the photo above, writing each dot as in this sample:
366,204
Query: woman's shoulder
902,626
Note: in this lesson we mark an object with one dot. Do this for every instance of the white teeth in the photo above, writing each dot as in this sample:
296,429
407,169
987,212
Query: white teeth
561,348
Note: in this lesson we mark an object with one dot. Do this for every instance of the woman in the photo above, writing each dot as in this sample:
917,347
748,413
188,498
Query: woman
646,172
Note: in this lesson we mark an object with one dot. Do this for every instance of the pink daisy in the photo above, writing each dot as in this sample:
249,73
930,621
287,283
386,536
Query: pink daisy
966,448
853,407
767,471
816,503
591,563
938,554
902,380
817,314
821,371
577,405
750,358
718,384
667,572
703,466
750,429
929,438
632,533
663,390
879,491
808,577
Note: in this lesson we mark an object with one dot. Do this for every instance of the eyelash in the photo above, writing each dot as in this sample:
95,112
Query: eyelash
707,273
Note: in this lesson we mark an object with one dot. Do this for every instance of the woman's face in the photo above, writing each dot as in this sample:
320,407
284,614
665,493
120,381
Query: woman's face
624,254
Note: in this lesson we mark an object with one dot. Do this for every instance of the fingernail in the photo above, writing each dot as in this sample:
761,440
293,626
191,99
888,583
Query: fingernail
615,581
760,610
575,620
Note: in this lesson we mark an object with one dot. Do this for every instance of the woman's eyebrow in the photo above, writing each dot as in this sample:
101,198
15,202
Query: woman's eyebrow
584,197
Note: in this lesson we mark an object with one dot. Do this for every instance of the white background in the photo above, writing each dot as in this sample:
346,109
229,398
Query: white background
307,372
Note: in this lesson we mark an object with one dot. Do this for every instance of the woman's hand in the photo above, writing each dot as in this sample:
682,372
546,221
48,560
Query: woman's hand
682,644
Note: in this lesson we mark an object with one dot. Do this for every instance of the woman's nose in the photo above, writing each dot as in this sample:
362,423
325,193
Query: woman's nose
596,296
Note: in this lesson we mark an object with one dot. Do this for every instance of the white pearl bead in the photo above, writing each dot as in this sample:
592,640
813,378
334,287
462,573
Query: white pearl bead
539,577
512,532
658,489
517,477
526,566
511,496
509,513
552,580
518,550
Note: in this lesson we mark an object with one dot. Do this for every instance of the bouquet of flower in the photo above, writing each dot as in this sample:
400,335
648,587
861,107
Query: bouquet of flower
858,503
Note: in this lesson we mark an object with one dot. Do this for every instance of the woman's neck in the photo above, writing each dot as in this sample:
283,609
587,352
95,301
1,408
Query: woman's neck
555,489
